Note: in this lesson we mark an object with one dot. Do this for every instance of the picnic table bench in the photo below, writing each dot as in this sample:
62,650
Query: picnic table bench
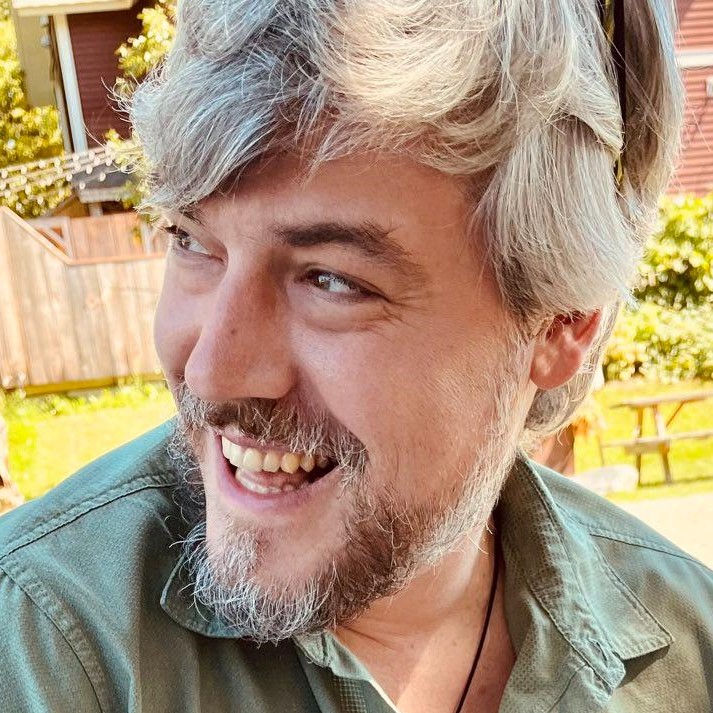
660,442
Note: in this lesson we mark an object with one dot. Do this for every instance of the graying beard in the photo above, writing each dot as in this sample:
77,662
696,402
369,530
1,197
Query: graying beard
292,426
385,550
387,545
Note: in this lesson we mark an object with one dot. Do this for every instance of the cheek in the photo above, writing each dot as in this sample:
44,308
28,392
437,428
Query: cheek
176,330
416,409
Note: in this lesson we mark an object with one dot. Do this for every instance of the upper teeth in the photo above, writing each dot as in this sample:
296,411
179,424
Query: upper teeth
255,460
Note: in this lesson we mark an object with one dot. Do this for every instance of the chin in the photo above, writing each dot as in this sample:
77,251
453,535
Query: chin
284,554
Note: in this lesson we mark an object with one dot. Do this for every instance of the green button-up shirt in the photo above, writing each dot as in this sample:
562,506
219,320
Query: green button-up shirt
603,613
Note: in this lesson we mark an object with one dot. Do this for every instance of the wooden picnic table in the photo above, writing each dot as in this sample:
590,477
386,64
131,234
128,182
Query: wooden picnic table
662,438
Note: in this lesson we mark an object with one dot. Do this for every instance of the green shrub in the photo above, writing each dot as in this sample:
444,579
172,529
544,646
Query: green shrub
133,393
140,54
26,133
669,336
661,343
677,270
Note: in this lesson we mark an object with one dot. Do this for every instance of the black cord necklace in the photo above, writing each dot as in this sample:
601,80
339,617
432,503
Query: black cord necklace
486,624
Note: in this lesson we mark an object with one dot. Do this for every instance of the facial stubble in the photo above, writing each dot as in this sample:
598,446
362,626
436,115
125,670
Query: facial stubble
382,544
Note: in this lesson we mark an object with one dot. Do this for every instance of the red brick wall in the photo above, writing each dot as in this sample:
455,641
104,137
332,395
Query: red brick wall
95,38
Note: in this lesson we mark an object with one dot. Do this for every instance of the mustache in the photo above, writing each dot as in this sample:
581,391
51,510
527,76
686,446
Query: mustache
287,423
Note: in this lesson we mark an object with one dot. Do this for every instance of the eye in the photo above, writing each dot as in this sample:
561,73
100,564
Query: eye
183,242
336,284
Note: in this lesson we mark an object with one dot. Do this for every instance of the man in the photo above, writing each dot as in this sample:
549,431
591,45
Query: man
399,233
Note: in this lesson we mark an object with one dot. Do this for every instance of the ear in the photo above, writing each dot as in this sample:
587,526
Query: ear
561,348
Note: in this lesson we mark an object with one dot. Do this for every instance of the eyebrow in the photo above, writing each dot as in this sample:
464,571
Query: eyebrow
372,241
193,214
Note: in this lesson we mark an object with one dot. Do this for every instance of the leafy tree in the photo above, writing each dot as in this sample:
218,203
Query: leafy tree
138,55
677,270
669,336
661,344
26,133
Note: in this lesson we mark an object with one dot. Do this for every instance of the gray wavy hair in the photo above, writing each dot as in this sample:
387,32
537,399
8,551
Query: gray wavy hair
520,95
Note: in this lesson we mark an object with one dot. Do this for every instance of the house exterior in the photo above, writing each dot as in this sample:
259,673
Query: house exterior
73,45
695,56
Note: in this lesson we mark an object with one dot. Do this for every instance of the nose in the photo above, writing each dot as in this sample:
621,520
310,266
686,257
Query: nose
243,348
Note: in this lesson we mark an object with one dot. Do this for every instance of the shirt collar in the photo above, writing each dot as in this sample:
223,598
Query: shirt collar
178,602
587,602
601,619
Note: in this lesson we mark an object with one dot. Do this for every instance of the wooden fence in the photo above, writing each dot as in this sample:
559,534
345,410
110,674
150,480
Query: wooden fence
66,321
114,235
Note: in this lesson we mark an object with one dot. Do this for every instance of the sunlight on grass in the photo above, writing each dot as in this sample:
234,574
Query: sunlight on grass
52,437
658,491
691,461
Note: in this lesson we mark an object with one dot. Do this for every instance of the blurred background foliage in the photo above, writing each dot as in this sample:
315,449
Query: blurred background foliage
677,271
661,344
26,133
669,336
138,55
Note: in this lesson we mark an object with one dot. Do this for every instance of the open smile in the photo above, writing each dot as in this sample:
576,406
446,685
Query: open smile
270,472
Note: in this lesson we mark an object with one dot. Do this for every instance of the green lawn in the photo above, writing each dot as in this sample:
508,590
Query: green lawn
691,461
51,437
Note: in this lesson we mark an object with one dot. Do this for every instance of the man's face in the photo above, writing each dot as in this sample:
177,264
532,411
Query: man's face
350,320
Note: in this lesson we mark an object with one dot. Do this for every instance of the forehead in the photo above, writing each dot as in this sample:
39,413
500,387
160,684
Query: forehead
392,193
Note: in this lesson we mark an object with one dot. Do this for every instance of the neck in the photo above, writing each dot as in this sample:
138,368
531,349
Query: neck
430,629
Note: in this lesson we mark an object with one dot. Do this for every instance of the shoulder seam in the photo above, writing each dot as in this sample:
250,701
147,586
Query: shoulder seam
56,625
59,520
